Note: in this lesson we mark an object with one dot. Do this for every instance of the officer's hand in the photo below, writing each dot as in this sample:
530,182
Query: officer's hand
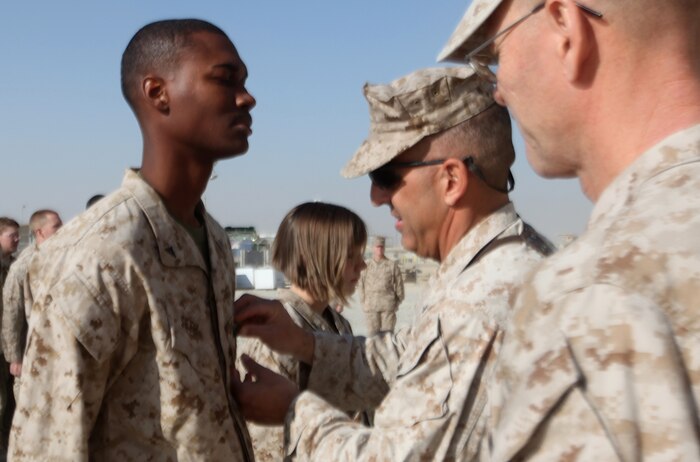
263,396
269,321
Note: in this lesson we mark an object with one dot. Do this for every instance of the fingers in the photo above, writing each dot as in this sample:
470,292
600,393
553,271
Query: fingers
254,369
264,396
247,308
253,330
248,361
245,300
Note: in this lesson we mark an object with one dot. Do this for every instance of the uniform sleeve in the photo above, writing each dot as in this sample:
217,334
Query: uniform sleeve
13,317
398,284
70,351
418,418
361,286
355,373
611,383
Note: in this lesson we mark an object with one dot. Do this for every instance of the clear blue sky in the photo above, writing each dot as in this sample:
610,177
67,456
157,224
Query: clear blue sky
66,133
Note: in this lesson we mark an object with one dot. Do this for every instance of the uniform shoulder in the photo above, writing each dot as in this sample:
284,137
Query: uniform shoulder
23,258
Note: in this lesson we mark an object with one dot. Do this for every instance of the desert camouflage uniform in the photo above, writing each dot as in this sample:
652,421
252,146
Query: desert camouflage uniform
16,311
602,360
5,266
428,378
268,441
130,340
381,292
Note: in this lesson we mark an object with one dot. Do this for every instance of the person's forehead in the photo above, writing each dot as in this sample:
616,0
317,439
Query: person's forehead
205,42
212,49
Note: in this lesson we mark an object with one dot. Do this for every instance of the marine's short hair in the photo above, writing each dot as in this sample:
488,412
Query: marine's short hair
6,222
313,244
487,137
38,218
157,46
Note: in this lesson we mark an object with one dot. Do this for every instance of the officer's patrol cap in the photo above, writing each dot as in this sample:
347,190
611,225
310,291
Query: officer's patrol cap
412,107
378,241
467,36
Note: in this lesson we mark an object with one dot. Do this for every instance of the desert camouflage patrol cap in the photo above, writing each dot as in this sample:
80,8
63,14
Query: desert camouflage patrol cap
466,36
378,241
410,108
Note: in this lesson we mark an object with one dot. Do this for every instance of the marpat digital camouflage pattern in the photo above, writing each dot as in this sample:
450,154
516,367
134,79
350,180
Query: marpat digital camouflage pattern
602,358
15,311
429,378
17,304
130,340
468,34
5,264
268,441
408,109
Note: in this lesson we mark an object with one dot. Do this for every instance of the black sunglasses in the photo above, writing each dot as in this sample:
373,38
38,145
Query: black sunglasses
387,178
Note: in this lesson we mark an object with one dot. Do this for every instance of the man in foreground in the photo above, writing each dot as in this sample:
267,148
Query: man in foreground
130,340
601,361
438,155
42,224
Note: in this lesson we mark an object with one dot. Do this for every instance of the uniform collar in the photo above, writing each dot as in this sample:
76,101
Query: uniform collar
175,246
476,240
315,320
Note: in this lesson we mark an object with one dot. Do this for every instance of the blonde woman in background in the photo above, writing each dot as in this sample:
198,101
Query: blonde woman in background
319,247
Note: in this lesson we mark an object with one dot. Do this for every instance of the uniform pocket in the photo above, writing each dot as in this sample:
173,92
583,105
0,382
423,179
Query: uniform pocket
88,315
191,337
424,378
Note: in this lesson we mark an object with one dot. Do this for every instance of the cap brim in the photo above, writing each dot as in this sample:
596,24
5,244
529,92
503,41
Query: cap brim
462,40
366,159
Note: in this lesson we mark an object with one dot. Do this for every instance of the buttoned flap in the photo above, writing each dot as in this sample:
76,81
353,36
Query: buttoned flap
191,334
537,392
88,314
424,378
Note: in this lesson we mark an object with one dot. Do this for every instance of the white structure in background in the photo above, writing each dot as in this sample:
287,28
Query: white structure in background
251,253
266,278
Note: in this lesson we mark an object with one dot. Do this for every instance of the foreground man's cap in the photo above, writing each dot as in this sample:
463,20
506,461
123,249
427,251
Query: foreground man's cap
420,104
464,39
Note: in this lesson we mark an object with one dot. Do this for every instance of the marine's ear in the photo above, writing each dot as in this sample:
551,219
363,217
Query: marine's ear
455,180
155,92
574,38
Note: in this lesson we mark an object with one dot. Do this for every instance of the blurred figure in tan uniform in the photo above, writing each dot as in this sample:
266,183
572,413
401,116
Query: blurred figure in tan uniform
380,290
17,301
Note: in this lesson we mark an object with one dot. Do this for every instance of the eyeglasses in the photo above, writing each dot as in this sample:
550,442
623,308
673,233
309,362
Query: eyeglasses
386,177
484,66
